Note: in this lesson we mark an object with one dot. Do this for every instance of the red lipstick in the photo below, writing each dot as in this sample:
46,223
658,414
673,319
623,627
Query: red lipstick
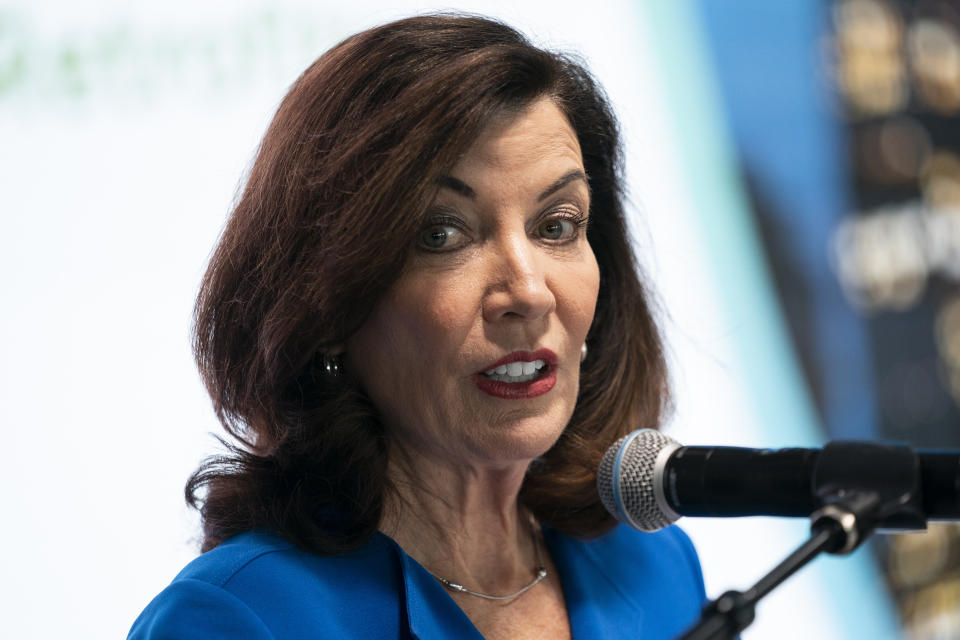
520,390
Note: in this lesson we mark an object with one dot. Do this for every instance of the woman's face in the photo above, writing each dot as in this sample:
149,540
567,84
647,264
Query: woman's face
473,356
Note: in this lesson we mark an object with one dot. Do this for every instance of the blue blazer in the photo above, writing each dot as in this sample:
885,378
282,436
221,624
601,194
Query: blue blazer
255,586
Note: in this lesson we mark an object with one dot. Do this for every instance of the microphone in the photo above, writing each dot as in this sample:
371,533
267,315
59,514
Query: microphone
648,481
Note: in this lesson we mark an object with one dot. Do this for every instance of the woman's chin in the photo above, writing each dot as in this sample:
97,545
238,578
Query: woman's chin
519,444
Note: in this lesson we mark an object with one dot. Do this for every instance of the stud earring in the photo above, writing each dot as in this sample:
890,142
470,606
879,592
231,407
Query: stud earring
331,365
583,352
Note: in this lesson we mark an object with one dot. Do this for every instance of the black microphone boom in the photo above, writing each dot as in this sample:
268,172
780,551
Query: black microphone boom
648,480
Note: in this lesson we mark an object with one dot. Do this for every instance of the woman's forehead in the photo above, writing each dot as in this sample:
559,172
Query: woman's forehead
538,136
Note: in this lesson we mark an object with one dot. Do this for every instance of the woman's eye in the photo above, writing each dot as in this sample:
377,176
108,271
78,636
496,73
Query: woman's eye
557,229
440,237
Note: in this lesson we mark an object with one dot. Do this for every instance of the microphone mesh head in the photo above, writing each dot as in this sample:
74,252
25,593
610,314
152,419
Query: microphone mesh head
625,480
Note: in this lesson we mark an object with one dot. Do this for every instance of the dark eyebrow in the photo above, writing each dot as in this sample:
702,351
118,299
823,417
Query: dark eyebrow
466,190
567,178
457,185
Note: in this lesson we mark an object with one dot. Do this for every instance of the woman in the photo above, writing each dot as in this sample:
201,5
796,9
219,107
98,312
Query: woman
423,325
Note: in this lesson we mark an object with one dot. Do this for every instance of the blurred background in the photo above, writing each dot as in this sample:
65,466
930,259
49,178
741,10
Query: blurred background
794,174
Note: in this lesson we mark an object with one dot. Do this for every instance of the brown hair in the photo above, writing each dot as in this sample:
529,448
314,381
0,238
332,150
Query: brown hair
333,201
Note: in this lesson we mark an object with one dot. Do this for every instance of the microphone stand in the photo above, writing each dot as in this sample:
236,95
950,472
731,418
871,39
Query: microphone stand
882,486
731,613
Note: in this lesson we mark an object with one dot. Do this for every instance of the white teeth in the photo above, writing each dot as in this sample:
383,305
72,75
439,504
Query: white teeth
516,371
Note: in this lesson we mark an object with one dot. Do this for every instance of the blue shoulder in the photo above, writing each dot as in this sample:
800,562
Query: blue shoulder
192,609
665,559
289,592
224,561
682,554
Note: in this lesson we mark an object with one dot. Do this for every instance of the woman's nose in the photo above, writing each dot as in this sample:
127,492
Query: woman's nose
518,285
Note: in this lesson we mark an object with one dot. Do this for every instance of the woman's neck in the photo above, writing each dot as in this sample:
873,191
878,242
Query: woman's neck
463,524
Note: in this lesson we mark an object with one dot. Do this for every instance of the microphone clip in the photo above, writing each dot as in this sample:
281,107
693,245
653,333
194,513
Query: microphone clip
863,485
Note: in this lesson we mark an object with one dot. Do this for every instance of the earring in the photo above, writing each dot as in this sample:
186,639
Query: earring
583,352
331,365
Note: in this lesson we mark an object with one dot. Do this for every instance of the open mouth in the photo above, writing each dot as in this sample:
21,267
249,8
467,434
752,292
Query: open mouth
519,371
519,375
